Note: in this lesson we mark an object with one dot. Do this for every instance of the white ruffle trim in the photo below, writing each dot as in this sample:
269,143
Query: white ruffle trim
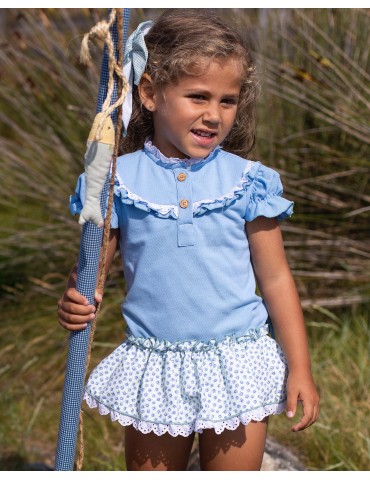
131,198
172,160
257,414
238,191
199,207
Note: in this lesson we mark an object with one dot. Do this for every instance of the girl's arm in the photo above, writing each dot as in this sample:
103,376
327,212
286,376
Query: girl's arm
278,290
74,310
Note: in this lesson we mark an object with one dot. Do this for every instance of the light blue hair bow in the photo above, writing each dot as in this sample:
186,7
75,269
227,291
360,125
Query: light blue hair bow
134,62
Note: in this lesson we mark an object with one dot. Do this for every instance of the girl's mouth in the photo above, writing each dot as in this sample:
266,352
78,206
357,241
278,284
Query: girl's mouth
203,138
202,133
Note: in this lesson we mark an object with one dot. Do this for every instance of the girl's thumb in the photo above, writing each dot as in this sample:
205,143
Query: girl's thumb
98,295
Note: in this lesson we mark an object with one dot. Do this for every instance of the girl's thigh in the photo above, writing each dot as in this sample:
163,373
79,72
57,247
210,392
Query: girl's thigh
240,449
148,451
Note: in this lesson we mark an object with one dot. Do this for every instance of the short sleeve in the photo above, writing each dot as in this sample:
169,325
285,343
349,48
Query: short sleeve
266,197
77,200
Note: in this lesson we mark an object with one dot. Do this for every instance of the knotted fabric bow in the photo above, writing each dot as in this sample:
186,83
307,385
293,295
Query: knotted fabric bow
134,62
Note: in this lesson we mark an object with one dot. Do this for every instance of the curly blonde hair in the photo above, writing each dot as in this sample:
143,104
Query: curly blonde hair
179,42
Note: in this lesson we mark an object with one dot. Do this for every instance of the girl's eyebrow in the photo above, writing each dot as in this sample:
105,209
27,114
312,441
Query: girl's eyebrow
197,90
206,92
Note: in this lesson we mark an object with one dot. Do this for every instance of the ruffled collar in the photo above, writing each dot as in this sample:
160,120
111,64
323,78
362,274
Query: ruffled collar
148,145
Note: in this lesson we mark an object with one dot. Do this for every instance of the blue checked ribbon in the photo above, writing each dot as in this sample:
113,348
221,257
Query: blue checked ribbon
134,62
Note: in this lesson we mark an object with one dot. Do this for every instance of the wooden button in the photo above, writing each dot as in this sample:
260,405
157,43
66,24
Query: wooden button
184,203
181,177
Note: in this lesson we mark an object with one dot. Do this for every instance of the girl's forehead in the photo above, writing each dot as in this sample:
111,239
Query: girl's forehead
225,72
202,65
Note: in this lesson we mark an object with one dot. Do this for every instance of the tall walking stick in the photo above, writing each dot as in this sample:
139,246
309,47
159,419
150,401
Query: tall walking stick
90,249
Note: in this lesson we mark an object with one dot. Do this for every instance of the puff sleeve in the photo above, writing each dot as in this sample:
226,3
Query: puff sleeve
265,199
76,201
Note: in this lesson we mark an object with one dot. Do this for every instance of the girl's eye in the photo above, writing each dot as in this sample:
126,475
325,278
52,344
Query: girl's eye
229,101
197,96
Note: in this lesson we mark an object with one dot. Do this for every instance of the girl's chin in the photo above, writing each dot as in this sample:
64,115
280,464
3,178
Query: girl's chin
194,149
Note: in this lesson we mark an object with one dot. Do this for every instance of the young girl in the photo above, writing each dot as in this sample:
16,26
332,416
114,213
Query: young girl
197,226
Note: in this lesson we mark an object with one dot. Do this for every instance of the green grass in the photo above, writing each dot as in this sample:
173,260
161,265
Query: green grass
340,439
33,353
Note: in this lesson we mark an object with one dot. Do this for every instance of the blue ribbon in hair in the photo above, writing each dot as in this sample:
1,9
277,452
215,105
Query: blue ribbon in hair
134,62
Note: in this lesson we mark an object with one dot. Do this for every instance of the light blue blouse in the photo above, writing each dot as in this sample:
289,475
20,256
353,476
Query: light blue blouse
184,246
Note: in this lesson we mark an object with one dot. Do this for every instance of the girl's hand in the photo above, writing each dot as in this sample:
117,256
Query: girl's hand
74,310
301,388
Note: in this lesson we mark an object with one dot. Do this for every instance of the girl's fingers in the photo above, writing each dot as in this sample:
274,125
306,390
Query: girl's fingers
315,415
68,326
72,295
75,303
316,409
75,308
74,311
306,420
302,424
72,319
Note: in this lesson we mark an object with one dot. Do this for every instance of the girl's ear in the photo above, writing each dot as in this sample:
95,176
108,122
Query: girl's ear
147,92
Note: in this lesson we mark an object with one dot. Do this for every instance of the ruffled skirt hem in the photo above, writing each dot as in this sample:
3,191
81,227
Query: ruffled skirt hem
185,430
145,426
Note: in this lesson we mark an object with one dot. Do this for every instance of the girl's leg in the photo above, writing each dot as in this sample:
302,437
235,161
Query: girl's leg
148,451
240,449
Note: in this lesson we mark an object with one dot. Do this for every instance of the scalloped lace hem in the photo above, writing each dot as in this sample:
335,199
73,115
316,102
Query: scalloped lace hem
199,207
185,430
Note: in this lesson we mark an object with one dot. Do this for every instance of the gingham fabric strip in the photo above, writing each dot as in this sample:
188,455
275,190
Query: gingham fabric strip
134,62
91,238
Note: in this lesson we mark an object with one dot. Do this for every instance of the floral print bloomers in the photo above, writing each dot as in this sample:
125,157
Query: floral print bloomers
184,387
198,353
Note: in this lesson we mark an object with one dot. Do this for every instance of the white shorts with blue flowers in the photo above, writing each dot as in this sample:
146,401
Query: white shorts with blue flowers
187,386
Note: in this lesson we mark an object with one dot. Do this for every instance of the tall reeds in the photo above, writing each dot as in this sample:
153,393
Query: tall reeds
313,127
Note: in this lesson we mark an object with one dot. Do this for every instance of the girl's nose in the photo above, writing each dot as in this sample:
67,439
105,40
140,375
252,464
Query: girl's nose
212,114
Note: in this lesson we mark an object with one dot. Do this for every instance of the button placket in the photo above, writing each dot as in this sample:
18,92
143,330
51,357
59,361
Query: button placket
185,227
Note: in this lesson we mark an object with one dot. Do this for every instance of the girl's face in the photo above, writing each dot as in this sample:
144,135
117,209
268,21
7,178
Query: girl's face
195,115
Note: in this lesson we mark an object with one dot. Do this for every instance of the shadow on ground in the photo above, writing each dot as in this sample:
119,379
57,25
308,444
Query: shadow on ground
276,457
16,462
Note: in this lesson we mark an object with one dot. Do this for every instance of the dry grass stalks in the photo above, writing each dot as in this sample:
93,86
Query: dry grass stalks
315,131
